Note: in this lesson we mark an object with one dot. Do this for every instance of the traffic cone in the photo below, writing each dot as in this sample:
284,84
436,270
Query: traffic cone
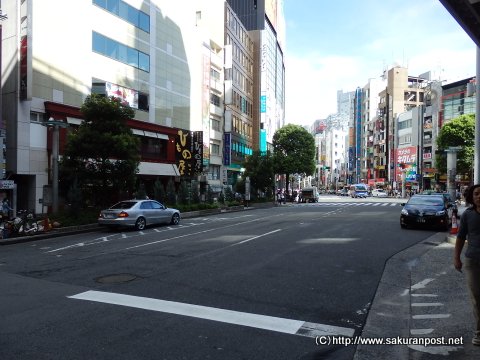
454,229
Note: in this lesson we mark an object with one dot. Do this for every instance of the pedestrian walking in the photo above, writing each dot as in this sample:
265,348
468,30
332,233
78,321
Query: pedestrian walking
6,208
470,230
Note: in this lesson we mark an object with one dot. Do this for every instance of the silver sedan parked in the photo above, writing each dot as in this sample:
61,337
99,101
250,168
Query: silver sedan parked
138,214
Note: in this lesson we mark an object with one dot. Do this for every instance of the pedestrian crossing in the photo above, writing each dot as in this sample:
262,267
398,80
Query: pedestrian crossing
349,204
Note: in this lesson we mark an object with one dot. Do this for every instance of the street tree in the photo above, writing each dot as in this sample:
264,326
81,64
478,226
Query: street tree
102,153
259,168
293,151
457,132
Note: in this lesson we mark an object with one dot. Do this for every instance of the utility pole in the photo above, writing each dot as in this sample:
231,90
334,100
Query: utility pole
476,163
452,169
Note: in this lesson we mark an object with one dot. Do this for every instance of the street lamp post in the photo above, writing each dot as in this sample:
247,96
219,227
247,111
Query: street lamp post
56,125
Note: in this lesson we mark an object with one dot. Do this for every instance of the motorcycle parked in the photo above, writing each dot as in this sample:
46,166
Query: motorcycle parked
23,224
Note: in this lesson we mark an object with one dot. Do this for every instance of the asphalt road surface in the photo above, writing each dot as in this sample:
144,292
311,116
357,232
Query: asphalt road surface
258,284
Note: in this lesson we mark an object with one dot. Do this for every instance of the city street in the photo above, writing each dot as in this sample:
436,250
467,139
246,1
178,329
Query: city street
258,284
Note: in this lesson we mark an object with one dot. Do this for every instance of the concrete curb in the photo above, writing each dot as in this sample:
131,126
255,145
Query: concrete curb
390,312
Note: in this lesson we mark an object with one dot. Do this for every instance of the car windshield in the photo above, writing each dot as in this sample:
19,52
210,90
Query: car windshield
427,200
123,205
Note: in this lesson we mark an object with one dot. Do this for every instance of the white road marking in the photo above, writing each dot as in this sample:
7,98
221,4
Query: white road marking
420,331
256,237
436,350
421,284
283,325
431,316
424,295
427,304
112,237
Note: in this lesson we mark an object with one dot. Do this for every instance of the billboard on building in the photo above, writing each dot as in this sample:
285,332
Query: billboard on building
189,154
206,105
126,95
406,161
25,51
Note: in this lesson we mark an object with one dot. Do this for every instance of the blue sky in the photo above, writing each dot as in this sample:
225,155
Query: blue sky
339,45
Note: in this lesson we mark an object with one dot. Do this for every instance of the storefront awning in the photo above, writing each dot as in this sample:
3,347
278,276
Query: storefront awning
149,168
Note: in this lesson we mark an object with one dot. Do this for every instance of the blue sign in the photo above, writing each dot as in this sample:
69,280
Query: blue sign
263,103
227,145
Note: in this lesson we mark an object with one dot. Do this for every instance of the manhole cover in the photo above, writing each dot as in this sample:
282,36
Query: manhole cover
115,278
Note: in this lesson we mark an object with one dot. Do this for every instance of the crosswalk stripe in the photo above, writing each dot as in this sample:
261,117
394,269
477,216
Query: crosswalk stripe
351,204
283,325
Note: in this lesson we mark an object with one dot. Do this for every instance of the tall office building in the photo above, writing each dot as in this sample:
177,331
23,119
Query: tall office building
265,21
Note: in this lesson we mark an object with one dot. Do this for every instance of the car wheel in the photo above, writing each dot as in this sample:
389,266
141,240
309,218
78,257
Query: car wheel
140,224
175,219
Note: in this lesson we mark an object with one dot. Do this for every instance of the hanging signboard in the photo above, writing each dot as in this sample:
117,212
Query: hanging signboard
189,154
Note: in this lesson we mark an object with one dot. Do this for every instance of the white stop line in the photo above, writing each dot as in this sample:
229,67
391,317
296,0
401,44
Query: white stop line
287,326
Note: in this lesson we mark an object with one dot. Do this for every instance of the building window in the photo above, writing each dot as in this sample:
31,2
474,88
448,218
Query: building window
215,99
407,124
153,148
214,74
36,117
128,13
215,124
213,172
215,149
120,52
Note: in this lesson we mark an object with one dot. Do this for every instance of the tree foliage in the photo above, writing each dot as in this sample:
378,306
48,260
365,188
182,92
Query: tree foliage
102,153
457,132
159,193
260,169
293,151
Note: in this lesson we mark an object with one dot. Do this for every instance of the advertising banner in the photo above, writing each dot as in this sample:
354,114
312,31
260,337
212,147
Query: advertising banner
406,161
189,155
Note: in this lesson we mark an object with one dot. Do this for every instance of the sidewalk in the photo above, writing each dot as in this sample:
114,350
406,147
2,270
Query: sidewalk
421,295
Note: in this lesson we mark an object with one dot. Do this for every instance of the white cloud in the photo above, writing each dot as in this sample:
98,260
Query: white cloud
419,35
312,81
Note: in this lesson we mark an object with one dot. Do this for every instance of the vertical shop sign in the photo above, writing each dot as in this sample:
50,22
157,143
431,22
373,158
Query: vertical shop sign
227,149
25,52
189,153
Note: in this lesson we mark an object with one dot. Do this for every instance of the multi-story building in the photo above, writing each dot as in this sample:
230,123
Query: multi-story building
393,129
458,98
408,140
369,115
169,61
145,54
430,130
240,65
265,21
402,93
335,156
